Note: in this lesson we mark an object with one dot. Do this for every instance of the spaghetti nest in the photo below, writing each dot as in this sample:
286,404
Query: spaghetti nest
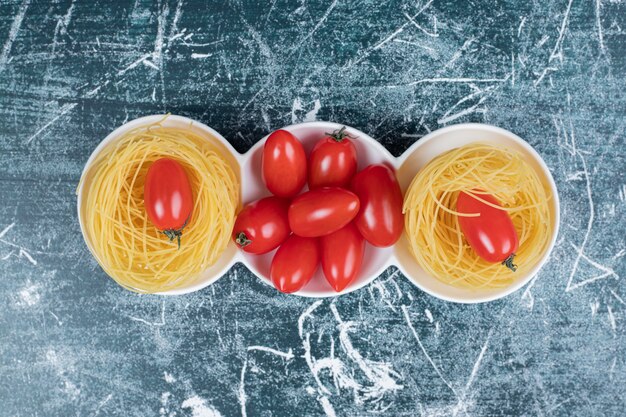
125,243
431,220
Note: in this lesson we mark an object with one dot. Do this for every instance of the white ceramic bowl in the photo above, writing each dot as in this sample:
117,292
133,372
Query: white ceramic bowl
369,151
231,254
443,140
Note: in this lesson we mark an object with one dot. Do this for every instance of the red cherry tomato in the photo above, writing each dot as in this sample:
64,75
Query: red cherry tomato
284,164
380,219
322,211
333,161
295,263
492,234
167,197
262,225
342,256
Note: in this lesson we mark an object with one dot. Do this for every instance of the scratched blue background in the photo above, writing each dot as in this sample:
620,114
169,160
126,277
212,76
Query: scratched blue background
74,343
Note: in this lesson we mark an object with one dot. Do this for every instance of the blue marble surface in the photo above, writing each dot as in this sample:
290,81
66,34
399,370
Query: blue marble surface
74,343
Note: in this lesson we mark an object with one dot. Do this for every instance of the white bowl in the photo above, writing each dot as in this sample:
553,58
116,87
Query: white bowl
369,151
443,140
230,255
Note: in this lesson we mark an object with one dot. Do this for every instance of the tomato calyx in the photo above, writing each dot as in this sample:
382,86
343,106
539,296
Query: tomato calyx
508,262
175,233
339,135
242,240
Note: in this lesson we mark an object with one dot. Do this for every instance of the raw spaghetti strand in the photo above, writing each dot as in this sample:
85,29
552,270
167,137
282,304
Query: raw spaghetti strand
125,243
431,220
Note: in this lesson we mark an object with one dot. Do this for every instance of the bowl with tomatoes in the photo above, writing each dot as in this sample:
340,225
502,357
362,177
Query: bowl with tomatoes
322,209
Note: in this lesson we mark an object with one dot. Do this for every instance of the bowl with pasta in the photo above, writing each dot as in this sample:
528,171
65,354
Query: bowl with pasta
475,159
112,214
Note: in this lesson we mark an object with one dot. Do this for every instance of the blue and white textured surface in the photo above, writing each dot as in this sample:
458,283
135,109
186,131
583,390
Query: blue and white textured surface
74,343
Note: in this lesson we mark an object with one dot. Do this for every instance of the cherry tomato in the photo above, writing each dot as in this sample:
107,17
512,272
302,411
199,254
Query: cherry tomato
262,225
322,211
167,197
342,256
294,263
333,161
284,164
492,234
380,218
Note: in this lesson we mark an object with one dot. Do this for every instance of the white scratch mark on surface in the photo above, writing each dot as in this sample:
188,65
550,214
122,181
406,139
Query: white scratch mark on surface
380,374
512,69
611,318
608,272
612,370
152,323
543,75
241,394
67,18
150,64
13,31
429,315
464,112
599,25
390,37
295,107
200,56
28,256
311,116
419,342
316,27
287,355
542,41
158,42
461,405
459,52
306,344
476,367
169,378
576,176
622,193
327,406
428,48
617,297
521,26
102,404
6,230
580,251
594,308
457,80
66,108
431,34
98,88
558,47
174,27
133,64
56,318
528,296
199,407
